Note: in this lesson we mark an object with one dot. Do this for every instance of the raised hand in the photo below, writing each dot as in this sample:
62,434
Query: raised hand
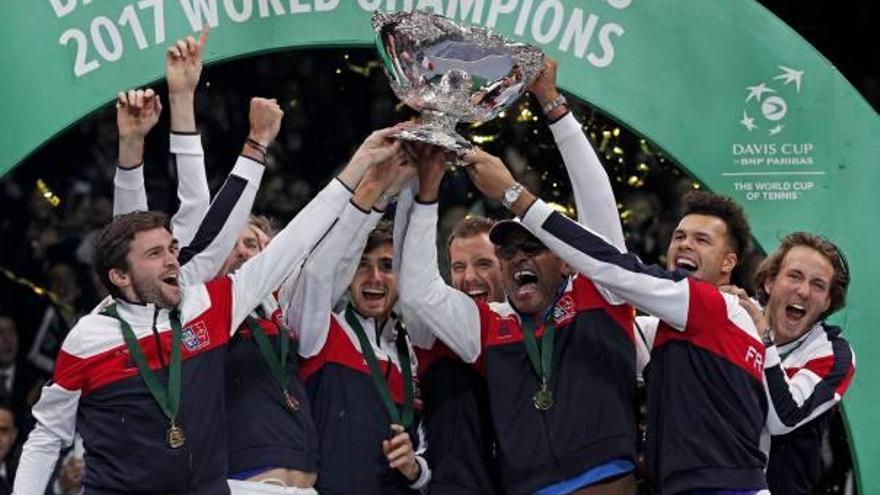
754,311
544,89
137,111
488,173
431,163
183,64
265,120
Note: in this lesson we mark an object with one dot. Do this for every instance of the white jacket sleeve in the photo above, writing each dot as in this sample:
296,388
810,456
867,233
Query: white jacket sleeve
335,194
264,273
649,288
192,185
419,334
593,196
55,414
425,297
201,259
309,314
129,192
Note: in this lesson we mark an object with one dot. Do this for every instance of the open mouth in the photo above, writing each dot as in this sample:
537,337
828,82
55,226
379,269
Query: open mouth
172,280
686,264
795,312
524,282
372,294
477,294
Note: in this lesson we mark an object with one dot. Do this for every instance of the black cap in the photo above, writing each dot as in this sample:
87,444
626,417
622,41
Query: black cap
504,228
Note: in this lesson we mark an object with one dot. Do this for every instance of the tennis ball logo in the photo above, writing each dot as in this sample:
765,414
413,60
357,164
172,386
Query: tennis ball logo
774,108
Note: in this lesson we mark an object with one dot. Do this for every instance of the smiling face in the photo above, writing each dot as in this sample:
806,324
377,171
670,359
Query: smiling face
153,272
373,290
700,245
799,294
250,243
475,269
531,273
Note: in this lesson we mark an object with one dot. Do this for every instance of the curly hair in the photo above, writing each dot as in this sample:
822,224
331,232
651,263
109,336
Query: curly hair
739,234
839,282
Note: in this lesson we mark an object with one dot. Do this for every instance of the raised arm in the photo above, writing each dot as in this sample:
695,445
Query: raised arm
593,196
330,268
218,231
183,67
651,289
137,111
265,272
373,148
428,303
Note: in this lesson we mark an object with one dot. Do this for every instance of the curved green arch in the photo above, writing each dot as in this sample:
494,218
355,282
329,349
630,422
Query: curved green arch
730,91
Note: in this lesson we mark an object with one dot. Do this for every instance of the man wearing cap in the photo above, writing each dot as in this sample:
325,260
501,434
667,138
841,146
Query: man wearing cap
558,353
706,397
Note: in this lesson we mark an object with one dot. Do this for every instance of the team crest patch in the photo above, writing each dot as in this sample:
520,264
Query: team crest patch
196,337
564,310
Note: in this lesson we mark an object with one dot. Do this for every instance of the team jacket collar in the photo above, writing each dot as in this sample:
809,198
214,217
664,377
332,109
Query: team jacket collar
140,314
794,344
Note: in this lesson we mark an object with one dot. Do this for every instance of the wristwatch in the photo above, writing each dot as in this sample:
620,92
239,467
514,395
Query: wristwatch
767,338
556,103
511,194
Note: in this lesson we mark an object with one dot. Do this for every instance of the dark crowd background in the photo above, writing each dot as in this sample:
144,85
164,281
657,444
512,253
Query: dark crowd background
54,202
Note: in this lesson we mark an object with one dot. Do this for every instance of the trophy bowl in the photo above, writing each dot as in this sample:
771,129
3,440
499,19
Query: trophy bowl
451,73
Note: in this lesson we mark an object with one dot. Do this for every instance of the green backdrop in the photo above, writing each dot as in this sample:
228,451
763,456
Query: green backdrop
726,88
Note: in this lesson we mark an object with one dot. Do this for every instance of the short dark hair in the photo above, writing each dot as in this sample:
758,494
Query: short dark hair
770,267
739,234
381,235
112,244
468,227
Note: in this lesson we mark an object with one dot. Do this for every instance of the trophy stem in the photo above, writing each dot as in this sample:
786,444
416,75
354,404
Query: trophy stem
437,128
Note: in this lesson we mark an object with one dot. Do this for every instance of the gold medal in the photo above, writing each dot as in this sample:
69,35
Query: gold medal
291,402
175,437
543,398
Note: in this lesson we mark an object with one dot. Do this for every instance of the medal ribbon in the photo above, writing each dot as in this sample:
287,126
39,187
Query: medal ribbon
379,379
277,362
542,359
168,400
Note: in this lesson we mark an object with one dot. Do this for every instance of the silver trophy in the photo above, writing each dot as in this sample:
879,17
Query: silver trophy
451,73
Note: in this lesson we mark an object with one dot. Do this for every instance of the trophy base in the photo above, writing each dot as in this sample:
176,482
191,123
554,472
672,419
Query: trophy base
433,136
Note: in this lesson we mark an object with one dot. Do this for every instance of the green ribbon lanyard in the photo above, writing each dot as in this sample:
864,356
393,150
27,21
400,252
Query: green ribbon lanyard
542,360
379,379
169,401
277,362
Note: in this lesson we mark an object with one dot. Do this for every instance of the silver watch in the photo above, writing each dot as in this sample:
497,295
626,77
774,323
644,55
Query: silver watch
511,194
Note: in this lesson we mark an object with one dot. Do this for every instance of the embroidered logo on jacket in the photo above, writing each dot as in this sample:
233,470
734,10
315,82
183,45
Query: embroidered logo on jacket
564,310
196,337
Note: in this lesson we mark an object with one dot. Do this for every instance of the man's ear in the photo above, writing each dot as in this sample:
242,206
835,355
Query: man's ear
119,278
729,263
566,270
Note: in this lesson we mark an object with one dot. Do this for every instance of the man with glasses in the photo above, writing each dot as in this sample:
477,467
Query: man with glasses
558,353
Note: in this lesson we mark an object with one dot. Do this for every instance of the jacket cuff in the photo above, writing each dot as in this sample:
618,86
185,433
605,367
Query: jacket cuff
130,178
185,144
